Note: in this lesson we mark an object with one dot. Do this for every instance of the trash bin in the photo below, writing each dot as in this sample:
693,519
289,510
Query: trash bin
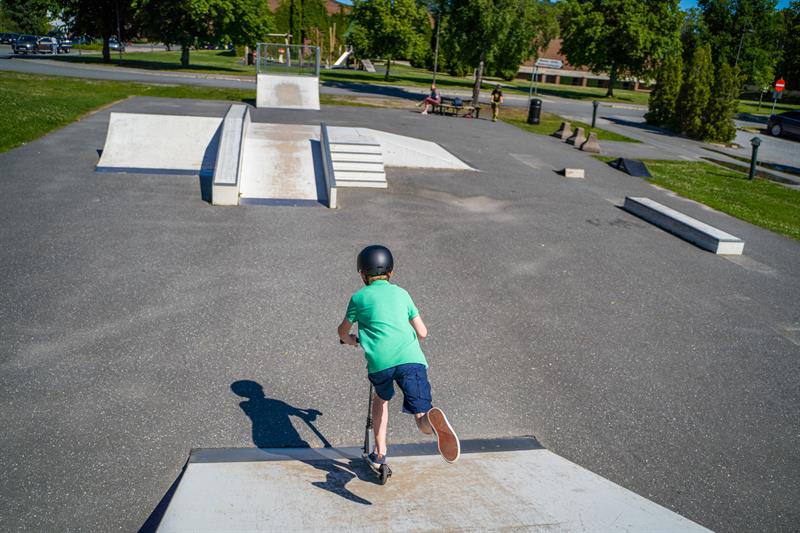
534,111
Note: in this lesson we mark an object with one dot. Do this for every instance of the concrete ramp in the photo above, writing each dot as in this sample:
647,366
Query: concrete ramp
281,164
160,144
497,485
403,151
287,92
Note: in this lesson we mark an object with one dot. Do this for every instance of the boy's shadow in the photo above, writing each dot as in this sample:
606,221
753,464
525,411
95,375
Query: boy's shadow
273,428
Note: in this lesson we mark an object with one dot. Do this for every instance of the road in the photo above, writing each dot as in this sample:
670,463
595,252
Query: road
625,119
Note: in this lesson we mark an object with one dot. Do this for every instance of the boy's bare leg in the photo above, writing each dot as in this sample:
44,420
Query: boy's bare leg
380,422
423,424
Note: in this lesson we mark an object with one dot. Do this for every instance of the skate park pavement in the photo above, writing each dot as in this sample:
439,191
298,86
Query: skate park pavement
131,306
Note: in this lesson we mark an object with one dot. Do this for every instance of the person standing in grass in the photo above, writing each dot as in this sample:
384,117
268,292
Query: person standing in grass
496,99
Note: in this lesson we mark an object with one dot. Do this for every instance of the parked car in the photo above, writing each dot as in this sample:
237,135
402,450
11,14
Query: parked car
64,45
787,123
24,44
8,38
115,46
47,45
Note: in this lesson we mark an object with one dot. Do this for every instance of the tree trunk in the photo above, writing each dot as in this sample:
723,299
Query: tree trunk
612,75
476,89
106,50
388,64
185,55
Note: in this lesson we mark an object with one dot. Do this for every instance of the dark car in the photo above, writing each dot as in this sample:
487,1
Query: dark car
47,45
24,44
784,124
8,38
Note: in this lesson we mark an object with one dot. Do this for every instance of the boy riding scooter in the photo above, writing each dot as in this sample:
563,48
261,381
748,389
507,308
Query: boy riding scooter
389,331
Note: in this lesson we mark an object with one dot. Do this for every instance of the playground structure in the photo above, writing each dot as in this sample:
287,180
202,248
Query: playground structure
287,76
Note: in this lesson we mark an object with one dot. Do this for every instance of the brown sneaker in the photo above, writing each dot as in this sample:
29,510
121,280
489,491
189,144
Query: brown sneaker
449,446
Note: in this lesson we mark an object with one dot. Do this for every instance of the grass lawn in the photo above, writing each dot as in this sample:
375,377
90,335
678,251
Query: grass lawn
52,102
31,106
550,123
751,107
760,201
222,62
201,61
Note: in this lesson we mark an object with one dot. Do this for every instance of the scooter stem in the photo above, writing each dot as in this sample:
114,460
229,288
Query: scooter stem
369,422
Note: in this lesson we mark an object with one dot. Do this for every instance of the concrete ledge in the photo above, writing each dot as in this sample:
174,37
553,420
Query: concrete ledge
227,171
690,229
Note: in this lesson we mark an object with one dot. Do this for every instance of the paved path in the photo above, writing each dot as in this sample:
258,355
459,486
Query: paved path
131,307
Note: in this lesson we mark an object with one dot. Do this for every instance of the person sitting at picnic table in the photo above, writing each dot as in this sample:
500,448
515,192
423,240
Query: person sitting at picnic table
435,98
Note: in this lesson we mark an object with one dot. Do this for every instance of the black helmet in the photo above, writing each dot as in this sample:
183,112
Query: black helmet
375,260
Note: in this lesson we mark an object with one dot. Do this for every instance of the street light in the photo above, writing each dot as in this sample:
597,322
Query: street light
741,41
595,105
756,142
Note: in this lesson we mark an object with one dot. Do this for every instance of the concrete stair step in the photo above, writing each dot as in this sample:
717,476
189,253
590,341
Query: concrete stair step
354,175
360,183
353,148
357,166
359,158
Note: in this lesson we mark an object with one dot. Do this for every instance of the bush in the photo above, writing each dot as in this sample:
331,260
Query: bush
695,93
664,97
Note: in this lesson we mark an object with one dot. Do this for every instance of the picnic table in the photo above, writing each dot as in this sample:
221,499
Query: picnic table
448,107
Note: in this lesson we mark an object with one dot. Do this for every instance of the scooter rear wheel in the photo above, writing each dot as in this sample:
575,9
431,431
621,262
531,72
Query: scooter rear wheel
384,474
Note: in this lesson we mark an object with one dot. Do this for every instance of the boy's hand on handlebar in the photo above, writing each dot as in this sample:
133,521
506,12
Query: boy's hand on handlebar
352,340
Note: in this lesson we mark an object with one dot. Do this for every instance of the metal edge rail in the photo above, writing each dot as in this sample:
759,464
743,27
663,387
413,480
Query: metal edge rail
327,165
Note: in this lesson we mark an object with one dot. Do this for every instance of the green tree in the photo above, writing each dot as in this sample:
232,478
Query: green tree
695,93
789,67
621,37
247,22
495,35
744,33
385,29
664,98
103,18
29,16
302,18
186,23
718,124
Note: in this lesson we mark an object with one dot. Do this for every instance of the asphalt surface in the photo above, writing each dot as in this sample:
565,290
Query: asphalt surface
130,307
622,118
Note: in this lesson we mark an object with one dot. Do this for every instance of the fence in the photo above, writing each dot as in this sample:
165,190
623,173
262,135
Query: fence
287,59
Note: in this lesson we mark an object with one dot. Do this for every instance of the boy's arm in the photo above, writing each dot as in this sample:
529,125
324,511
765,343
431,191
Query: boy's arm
344,333
419,327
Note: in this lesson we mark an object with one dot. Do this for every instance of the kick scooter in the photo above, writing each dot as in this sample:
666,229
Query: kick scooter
383,472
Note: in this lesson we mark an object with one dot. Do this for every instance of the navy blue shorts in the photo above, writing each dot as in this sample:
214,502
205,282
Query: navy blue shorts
412,378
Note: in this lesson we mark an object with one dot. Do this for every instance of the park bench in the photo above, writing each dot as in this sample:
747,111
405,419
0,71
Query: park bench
466,109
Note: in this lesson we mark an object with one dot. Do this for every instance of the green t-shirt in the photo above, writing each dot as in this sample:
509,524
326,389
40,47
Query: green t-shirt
383,311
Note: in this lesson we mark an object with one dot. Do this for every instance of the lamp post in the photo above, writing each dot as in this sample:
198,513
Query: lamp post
756,142
595,105
436,55
741,42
